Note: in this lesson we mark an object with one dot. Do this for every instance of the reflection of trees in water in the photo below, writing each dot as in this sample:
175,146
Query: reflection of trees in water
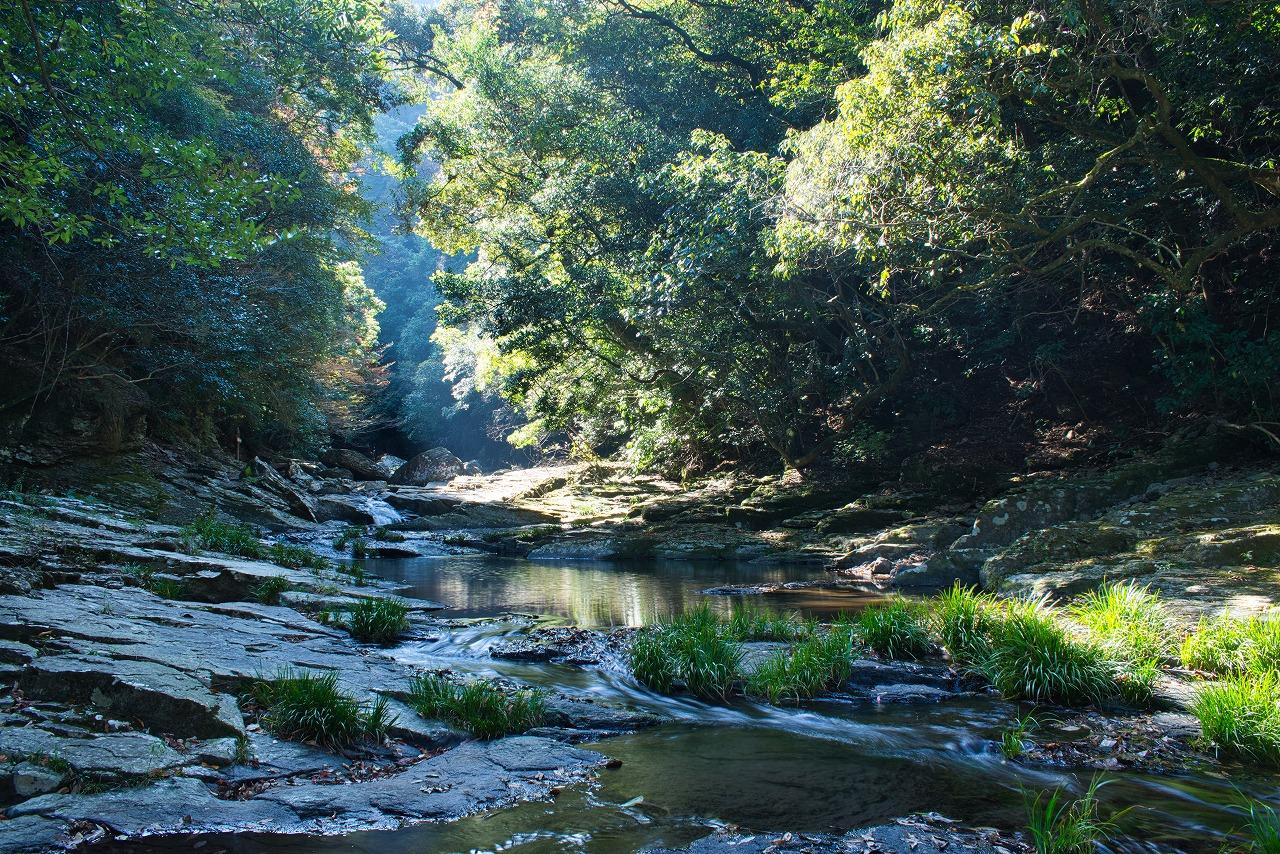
597,594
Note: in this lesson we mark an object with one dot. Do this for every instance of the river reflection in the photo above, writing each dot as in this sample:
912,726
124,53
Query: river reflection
594,593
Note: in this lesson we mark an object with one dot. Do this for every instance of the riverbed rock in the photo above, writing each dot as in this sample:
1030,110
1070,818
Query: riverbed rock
300,505
434,466
29,779
344,508
164,698
118,755
360,466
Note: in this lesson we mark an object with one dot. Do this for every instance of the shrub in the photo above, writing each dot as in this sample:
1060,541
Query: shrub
480,707
1241,715
306,706
816,664
751,623
1033,658
268,592
1228,645
1135,681
379,621
696,650
1059,825
211,533
965,620
895,629
1129,622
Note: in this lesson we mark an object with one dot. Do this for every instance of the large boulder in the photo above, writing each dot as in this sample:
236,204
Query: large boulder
433,466
360,466
299,504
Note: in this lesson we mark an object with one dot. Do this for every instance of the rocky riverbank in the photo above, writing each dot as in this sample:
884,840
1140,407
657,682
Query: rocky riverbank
127,650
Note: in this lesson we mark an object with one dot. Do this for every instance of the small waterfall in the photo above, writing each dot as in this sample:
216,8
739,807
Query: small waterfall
382,512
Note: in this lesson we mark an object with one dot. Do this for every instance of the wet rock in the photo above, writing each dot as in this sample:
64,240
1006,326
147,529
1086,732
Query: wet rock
13,652
434,466
422,505
360,466
344,508
933,573
581,713
560,644
163,698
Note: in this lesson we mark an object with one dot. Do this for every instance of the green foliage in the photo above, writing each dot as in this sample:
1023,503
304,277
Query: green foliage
1126,620
306,706
295,557
1013,740
1034,658
173,179
167,588
695,651
380,621
966,620
268,592
1060,825
896,629
479,706
751,623
820,662
1229,645
211,533
1263,829
1240,715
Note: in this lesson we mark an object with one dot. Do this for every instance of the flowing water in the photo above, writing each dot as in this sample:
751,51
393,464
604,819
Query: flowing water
826,766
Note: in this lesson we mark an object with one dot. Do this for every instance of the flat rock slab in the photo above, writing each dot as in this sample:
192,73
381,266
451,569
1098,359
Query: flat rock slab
115,755
161,697
473,777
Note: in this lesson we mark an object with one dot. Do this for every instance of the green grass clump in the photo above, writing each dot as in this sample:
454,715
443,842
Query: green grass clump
1013,741
379,621
751,623
295,557
1263,829
1033,658
895,629
268,592
965,620
1241,715
167,588
1129,622
306,706
1060,825
480,707
1229,645
696,651
1135,681
816,664
211,533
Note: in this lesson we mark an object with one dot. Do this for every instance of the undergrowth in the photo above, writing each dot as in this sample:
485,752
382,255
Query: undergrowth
306,706
896,629
696,651
379,621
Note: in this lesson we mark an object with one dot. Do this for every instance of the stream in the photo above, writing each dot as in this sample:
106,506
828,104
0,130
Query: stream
824,766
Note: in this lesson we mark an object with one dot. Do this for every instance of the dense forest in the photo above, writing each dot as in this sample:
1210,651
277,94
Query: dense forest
685,231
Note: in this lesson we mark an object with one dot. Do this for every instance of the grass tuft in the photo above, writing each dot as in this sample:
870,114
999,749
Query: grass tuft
1263,829
305,706
166,588
211,533
752,623
696,651
295,557
268,592
1241,715
1013,741
1033,658
1129,622
379,621
1228,645
895,629
1060,825
965,620
814,665
480,707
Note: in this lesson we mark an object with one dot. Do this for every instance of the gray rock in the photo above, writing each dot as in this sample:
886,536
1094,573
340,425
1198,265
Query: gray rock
299,505
163,698
344,508
422,505
355,462
30,779
433,466
113,755
13,652
30,834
